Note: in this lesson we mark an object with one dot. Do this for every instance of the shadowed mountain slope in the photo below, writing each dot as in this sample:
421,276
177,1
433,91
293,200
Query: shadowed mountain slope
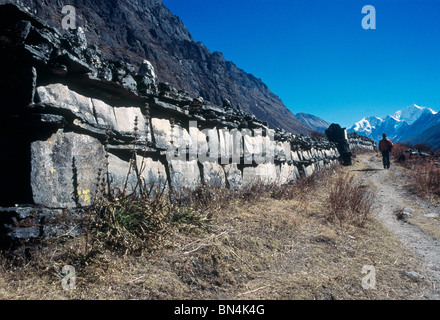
134,30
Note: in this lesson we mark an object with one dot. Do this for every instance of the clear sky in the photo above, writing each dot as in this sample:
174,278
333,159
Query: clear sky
318,59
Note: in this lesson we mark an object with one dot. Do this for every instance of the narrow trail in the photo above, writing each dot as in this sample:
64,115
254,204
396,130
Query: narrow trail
391,197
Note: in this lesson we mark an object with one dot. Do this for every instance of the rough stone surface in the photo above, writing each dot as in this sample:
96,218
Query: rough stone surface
64,169
266,173
234,176
147,69
338,135
21,224
288,174
199,143
164,134
309,170
184,174
125,179
213,174
60,96
125,120
105,114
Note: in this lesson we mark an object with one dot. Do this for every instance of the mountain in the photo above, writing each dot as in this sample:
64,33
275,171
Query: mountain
412,113
423,123
430,136
401,126
313,122
134,30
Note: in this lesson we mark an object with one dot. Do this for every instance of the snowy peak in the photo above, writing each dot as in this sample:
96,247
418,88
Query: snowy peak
400,126
412,113
367,124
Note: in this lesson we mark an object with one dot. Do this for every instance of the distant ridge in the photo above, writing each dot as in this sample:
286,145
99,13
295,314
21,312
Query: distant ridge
431,137
313,122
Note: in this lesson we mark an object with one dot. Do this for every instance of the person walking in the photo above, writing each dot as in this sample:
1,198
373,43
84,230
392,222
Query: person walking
385,146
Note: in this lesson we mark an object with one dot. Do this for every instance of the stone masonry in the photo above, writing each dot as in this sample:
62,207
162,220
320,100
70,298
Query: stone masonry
68,114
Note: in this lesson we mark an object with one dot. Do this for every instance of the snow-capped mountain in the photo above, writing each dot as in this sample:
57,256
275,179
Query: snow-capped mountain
402,125
366,125
412,113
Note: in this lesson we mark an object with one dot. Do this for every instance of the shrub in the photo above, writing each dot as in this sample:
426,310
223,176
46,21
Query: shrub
422,147
399,149
129,225
348,201
426,178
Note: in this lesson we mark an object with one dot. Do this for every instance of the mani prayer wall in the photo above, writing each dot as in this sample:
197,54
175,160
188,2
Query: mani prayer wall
68,114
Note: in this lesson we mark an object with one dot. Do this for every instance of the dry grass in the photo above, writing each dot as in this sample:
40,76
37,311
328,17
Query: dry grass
349,202
427,179
425,172
276,244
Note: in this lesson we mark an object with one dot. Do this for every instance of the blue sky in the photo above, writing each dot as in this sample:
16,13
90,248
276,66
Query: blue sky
318,59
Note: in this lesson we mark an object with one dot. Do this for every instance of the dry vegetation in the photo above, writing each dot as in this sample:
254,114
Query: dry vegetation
425,175
421,179
349,202
310,240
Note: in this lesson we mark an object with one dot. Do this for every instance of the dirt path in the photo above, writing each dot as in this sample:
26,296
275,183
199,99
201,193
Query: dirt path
393,198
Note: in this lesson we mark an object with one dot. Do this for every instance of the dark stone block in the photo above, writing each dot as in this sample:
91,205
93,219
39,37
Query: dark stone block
17,87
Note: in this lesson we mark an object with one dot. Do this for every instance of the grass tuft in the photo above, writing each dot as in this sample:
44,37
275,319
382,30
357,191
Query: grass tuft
348,201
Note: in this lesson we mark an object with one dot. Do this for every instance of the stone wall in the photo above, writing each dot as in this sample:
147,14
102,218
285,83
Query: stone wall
173,144
68,115
357,141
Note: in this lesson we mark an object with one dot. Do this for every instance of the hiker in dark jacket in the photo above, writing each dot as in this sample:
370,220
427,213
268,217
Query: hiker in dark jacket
385,146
